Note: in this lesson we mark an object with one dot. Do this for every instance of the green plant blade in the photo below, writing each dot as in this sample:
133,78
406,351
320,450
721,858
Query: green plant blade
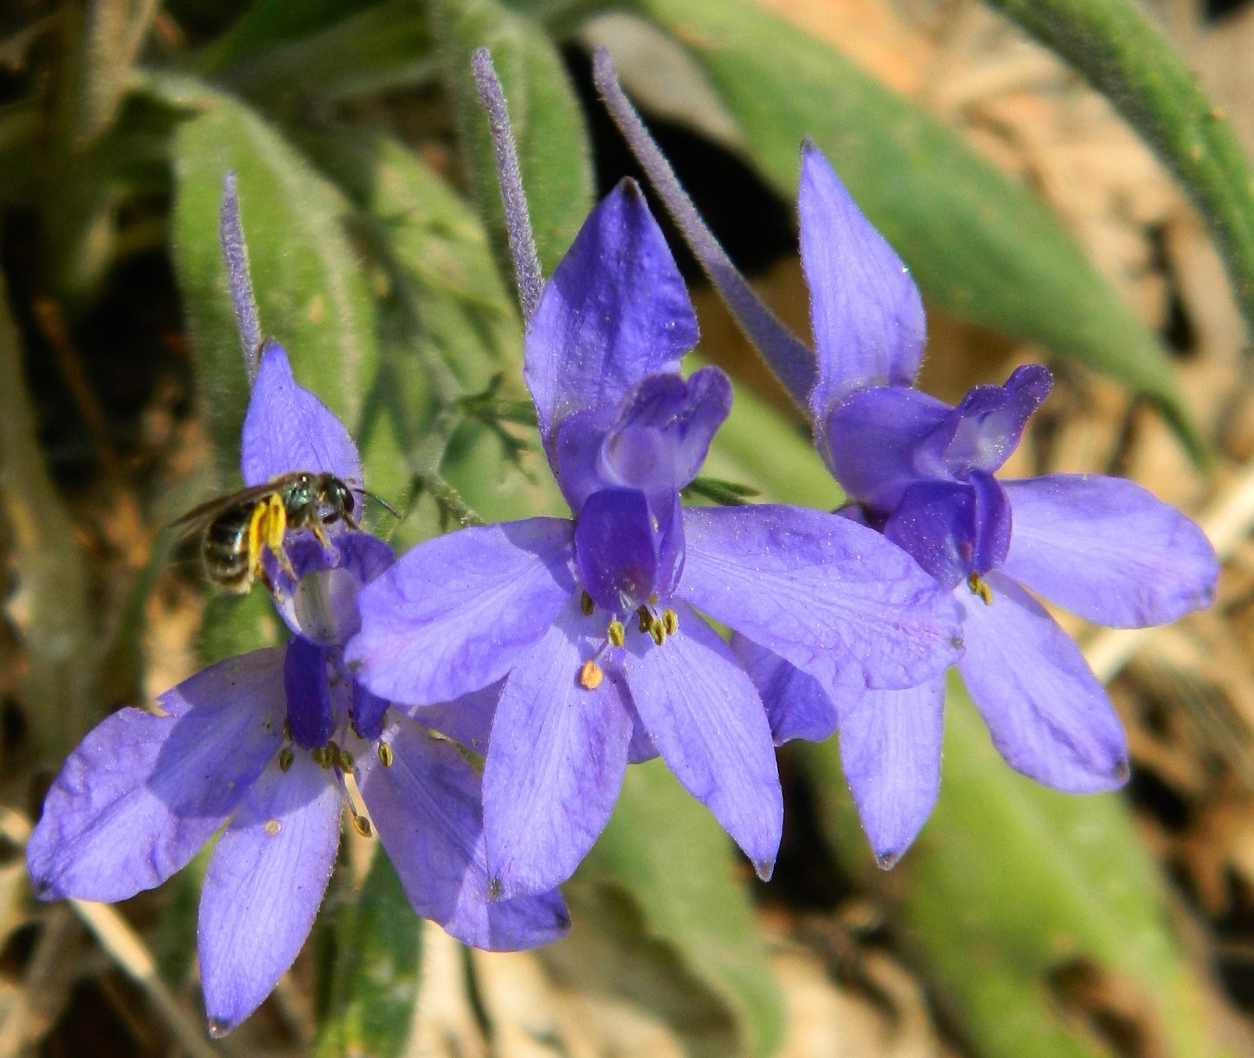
1124,56
374,971
1011,888
977,243
553,150
664,850
312,296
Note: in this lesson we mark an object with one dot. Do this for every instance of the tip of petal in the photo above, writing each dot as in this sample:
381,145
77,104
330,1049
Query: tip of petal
886,861
764,869
219,1028
1123,771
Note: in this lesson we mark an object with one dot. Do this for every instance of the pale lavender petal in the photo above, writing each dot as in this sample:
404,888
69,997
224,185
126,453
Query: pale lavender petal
142,793
710,726
426,808
869,324
663,434
951,528
455,613
614,311
1107,550
616,550
324,608
287,428
467,719
263,887
309,715
986,427
1048,715
797,706
832,597
890,749
870,441
559,752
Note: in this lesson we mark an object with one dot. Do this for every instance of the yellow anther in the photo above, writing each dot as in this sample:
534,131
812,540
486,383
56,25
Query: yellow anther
273,826
616,633
362,825
287,730
586,604
658,631
590,675
285,758
385,754
646,618
980,588
670,621
346,760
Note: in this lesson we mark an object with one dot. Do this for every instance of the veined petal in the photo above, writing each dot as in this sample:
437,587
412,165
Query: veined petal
869,324
263,887
614,310
710,726
616,549
456,612
664,432
1048,715
1106,549
287,428
426,809
467,719
142,793
558,755
322,603
797,706
987,425
871,439
890,749
822,592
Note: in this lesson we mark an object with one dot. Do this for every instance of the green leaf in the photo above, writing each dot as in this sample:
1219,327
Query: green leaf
553,150
377,942
977,243
1011,885
311,294
270,23
1123,55
665,852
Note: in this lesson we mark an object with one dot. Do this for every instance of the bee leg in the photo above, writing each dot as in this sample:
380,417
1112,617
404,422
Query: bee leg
321,534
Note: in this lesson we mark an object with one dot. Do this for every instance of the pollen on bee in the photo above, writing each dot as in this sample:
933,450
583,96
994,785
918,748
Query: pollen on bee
979,587
590,675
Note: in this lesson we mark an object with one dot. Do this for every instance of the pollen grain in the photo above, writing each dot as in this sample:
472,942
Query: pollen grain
590,675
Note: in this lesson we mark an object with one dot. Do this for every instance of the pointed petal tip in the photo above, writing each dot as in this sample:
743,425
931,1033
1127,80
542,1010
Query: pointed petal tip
1123,771
219,1027
764,869
886,861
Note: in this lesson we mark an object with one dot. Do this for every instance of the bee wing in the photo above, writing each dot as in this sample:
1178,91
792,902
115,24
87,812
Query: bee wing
210,509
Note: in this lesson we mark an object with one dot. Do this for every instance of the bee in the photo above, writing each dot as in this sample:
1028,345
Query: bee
240,527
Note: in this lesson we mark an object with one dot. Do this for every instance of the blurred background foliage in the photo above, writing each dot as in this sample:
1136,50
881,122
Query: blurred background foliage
1067,179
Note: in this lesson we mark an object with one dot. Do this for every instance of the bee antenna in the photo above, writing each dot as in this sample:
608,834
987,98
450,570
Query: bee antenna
382,502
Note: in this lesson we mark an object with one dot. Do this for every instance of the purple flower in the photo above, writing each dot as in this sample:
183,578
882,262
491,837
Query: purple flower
593,624
922,473
262,744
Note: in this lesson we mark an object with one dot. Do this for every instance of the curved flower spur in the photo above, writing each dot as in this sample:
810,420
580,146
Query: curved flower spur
591,621
262,744
921,473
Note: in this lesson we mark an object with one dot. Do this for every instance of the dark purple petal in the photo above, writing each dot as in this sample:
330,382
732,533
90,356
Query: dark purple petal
869,325
368,712
263,887
455,613
710,726
1048,715
616,549
1107,550
832,597
614,311
559,752
426,809
796,704
890,749
467,719
142,793
985,428
664,432
309,709
870,440
953,529
287,428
